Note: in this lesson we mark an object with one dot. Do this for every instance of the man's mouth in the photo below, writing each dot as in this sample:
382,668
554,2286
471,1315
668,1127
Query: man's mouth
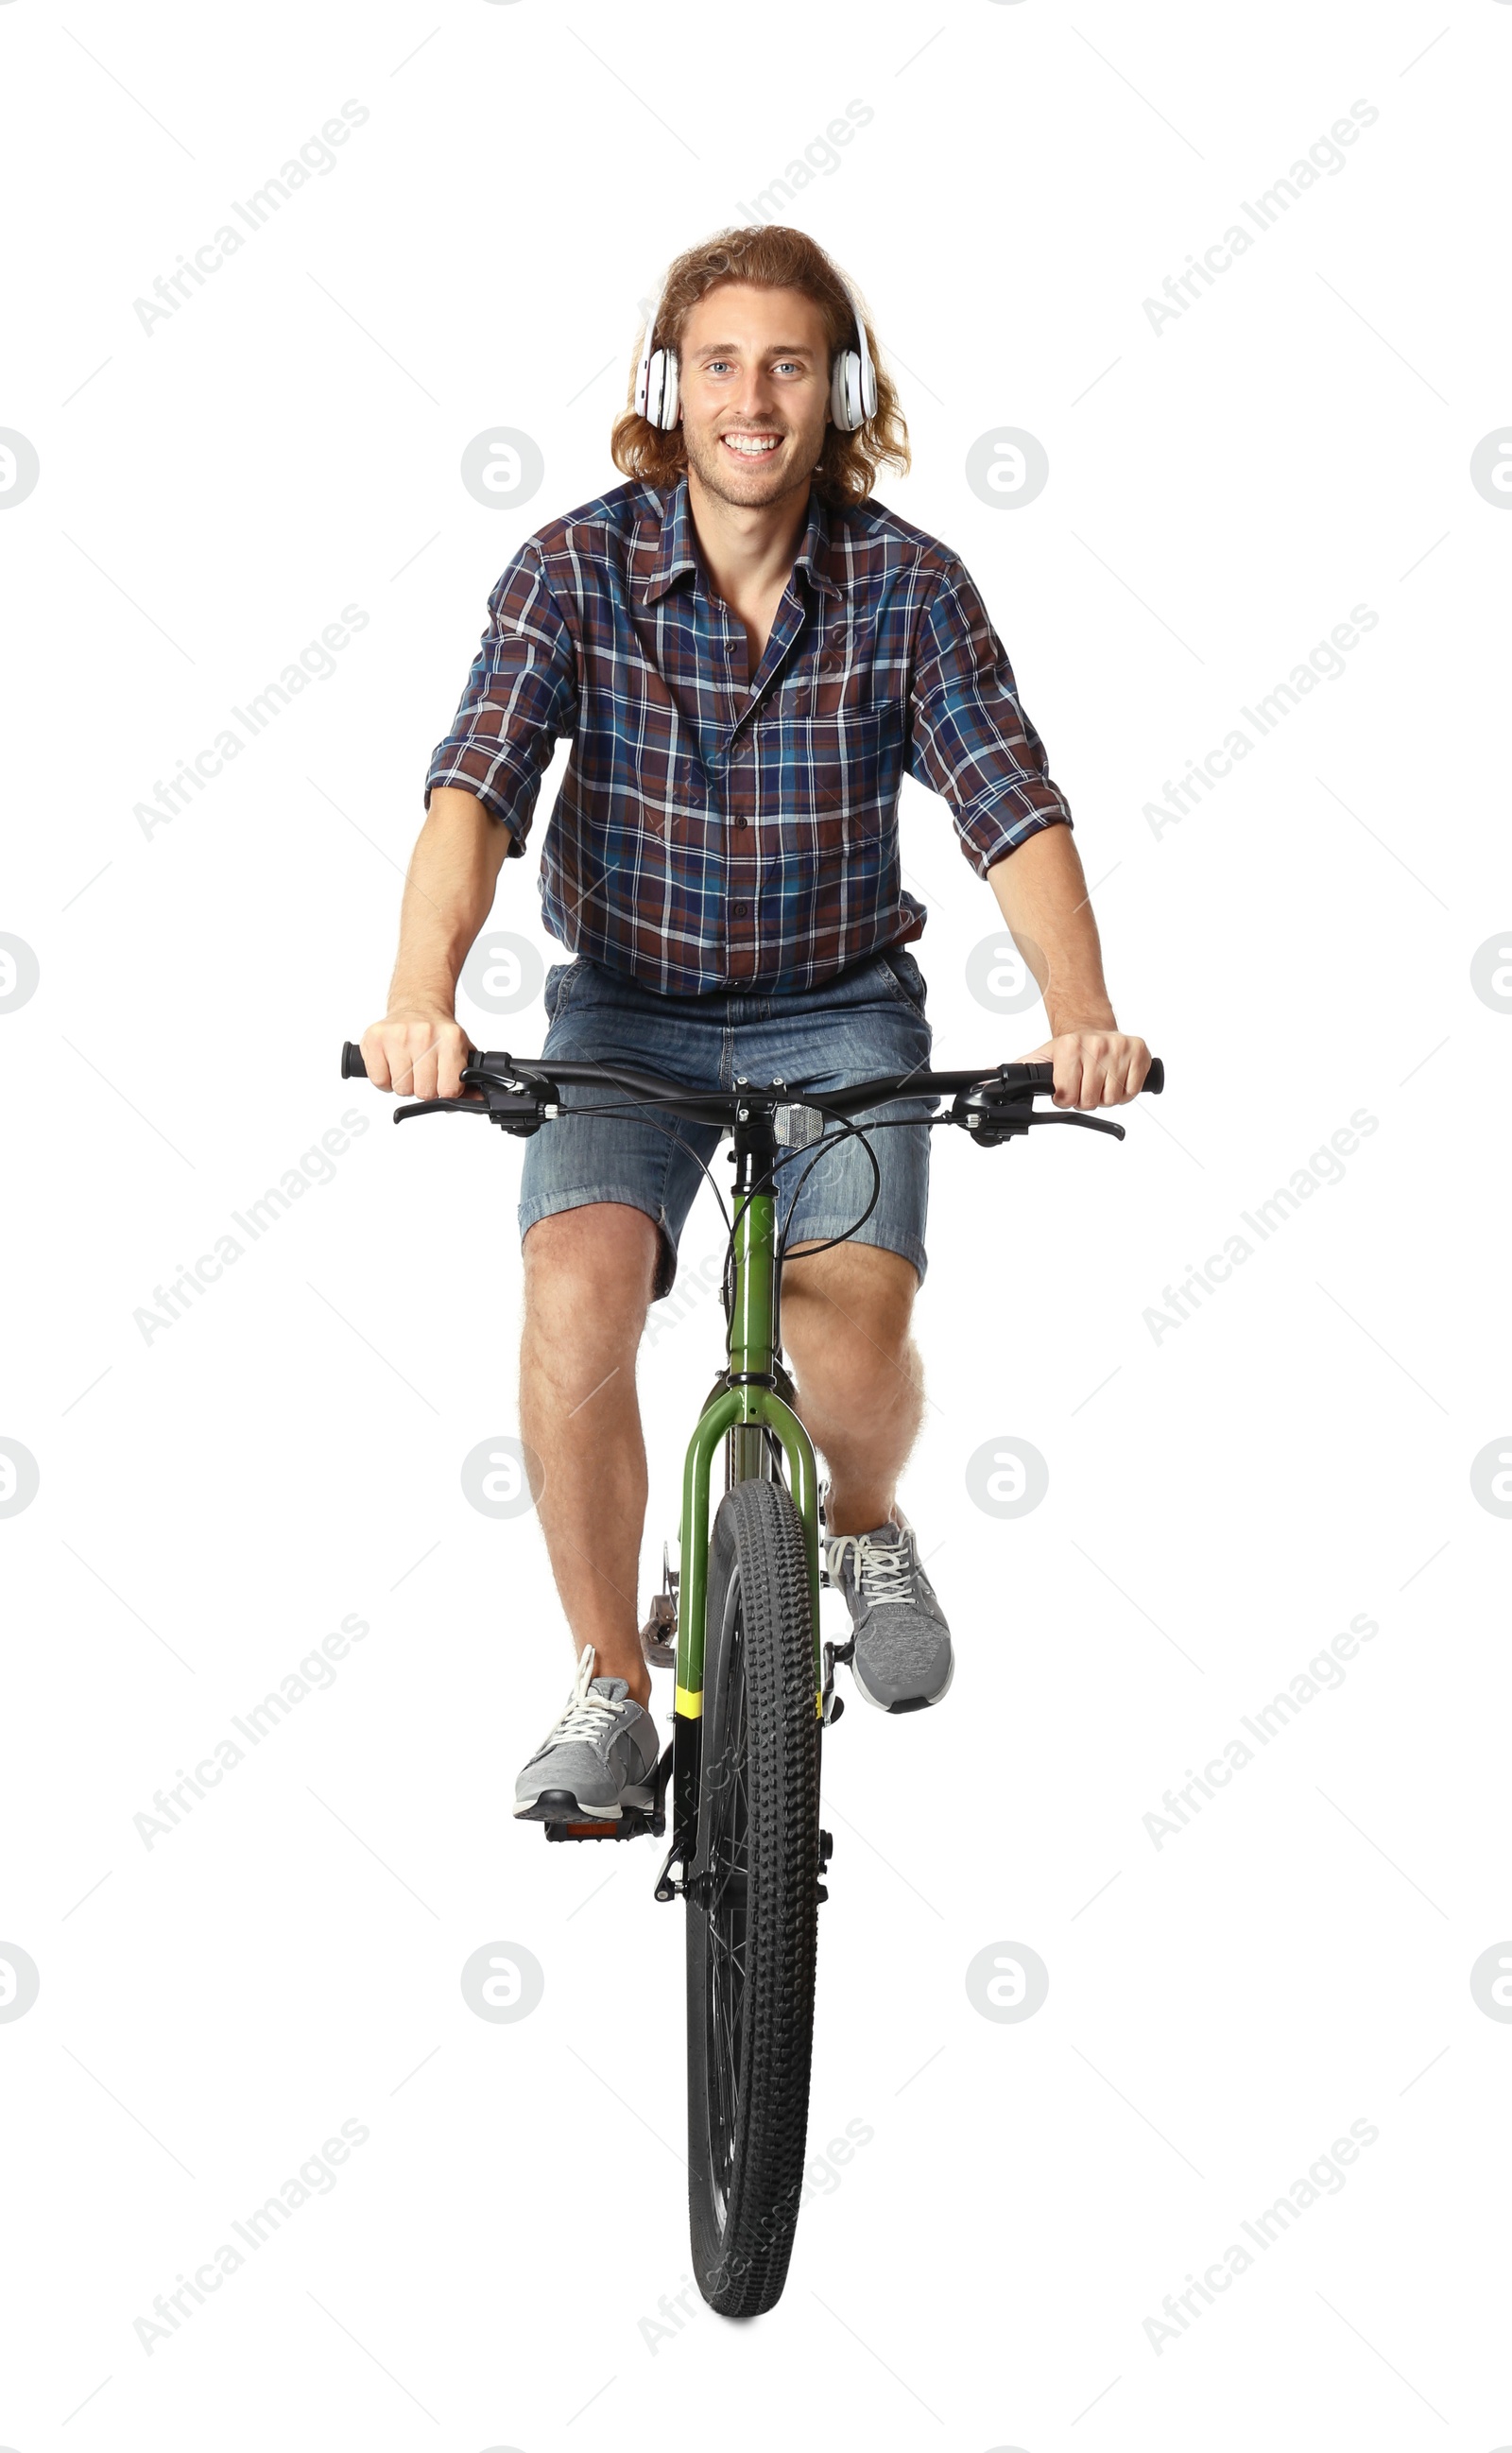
751,447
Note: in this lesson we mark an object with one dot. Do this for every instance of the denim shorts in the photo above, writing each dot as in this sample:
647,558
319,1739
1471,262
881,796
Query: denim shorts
869,1019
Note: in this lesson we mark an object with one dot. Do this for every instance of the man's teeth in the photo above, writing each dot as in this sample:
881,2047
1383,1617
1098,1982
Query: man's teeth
751,447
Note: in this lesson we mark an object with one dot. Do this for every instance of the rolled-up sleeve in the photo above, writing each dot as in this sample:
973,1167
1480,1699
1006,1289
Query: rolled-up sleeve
522,696
969,738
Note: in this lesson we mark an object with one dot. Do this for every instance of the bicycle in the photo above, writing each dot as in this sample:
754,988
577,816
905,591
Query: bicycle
738,1622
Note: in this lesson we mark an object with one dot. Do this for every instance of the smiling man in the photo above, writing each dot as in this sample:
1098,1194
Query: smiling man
748,654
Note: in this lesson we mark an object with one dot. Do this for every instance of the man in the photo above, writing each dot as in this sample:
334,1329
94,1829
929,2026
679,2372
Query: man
748,654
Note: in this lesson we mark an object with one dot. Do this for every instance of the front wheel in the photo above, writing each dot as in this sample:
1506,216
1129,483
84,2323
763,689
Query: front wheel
752,1904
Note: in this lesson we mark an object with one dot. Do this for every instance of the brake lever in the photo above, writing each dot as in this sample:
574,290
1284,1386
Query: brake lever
992,1120
514,1102
440,1106
1088,1124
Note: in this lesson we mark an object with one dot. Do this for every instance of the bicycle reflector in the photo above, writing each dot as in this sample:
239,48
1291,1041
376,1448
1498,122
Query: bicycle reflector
795,1126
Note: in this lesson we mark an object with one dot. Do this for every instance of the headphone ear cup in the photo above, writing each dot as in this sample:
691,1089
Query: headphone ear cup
854,411
842,392
837,391
669,394
653,389
656,388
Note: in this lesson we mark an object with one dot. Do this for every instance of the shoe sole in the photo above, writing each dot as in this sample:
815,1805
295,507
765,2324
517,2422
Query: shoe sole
560,1805
902,1702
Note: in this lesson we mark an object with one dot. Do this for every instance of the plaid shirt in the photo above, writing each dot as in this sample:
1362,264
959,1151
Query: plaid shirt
715,831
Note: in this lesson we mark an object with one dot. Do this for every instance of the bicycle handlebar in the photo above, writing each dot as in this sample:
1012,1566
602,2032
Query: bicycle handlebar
1005,1079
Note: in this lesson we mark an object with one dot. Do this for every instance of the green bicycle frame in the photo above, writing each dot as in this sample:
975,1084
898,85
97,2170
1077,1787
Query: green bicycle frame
744,1413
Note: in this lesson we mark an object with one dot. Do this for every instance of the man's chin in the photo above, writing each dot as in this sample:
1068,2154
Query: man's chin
750,489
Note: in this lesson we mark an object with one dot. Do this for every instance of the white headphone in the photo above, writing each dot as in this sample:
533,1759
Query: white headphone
853,386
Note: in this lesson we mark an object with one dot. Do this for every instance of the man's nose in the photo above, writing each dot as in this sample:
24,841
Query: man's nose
754,405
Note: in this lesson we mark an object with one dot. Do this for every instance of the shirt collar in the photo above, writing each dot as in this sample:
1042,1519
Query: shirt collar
676,547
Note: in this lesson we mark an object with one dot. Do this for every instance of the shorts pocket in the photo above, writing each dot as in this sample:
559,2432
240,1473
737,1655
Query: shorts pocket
558,989
905,980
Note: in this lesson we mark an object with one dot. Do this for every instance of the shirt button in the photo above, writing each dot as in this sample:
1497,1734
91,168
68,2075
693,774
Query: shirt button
740,822
831,660
740,909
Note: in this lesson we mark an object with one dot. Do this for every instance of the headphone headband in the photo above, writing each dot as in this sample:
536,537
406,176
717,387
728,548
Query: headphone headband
852,390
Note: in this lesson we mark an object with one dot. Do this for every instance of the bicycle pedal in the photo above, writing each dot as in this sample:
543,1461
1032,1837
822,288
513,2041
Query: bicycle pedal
831,1705
658,1636
633,1824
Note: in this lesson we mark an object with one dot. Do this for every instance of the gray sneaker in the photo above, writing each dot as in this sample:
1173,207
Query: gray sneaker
597,1759
903,1658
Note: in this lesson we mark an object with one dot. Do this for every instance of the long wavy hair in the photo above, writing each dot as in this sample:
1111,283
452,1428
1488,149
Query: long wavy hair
770,257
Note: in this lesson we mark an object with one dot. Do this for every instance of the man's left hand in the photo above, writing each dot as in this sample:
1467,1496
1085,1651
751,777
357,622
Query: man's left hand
1094,1068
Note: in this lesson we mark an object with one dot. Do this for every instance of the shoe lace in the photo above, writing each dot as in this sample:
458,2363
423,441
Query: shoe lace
584,1713
883,1569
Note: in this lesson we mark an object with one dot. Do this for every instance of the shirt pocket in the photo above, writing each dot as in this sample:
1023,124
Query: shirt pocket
840,771
668,800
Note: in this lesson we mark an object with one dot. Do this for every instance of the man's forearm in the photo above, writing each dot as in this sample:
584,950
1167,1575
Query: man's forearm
1041,894
448,894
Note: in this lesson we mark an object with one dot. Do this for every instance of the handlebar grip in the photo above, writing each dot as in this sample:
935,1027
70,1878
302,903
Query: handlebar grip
1042,1077
353,1067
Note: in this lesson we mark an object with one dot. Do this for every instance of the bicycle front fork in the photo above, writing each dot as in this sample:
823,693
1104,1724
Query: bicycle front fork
744,1412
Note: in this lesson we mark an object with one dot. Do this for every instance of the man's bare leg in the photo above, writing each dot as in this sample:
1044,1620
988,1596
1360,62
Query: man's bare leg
588,1274
858,1375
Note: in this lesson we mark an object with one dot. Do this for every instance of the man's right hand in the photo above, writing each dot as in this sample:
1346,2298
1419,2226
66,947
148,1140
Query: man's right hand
417,1051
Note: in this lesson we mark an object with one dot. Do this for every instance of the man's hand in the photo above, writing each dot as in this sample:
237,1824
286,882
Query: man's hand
1094,1068
418,1050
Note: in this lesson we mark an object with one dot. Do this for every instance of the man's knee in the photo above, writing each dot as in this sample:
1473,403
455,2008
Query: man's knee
591,1266
859,1290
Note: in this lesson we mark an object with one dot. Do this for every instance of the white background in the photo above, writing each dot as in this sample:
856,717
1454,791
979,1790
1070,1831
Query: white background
215,1501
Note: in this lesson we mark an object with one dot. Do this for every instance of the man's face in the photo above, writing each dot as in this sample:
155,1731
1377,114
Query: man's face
753,379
